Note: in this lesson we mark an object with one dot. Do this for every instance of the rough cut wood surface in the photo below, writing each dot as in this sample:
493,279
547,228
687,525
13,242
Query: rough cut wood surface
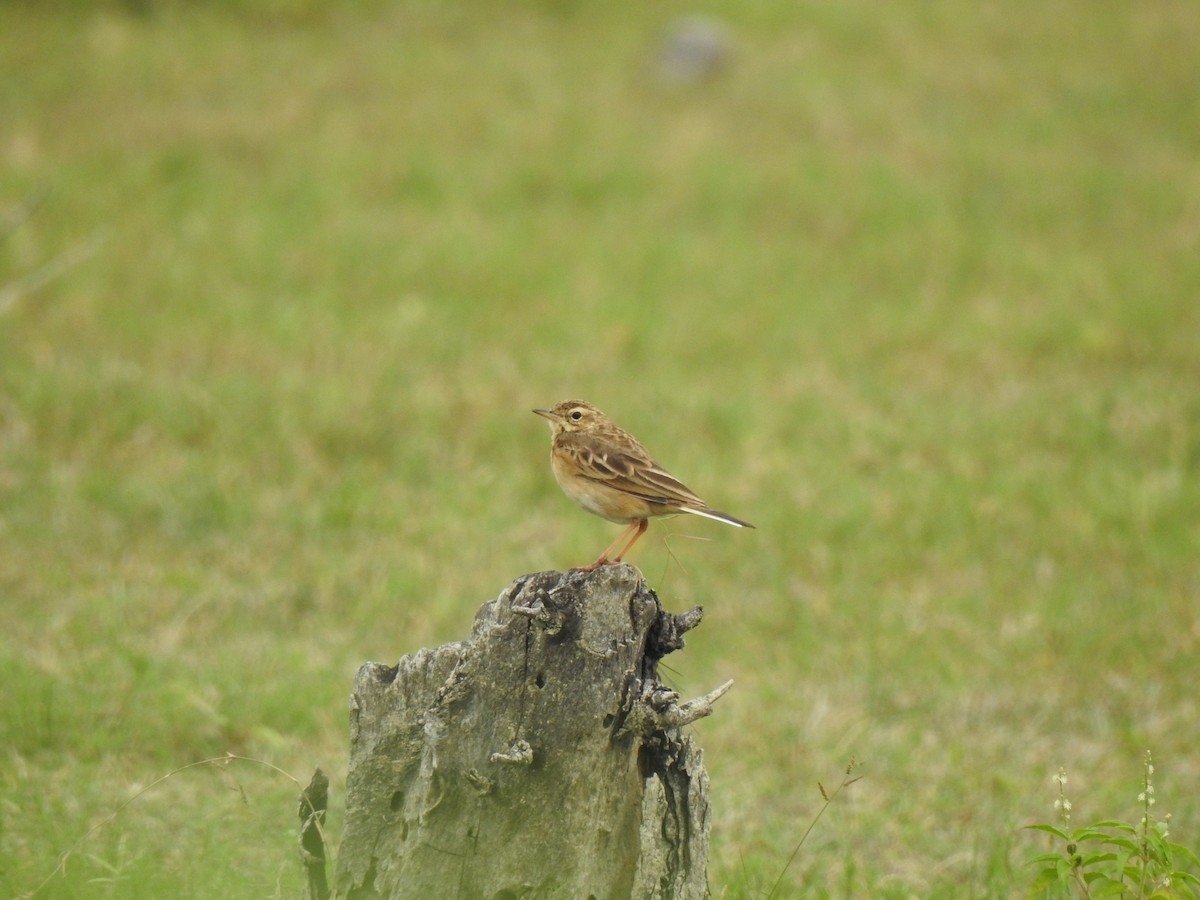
539,758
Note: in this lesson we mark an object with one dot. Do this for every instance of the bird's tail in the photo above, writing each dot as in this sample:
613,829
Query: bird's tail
718,516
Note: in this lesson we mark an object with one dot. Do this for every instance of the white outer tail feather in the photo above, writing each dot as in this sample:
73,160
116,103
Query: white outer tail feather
716,516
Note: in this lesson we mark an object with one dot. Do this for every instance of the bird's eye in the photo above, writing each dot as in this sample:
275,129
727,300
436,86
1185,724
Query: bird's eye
576,415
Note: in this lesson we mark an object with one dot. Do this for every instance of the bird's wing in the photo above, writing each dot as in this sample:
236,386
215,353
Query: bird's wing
630,470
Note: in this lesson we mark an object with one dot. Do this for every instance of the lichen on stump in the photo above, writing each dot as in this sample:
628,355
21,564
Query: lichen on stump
539,758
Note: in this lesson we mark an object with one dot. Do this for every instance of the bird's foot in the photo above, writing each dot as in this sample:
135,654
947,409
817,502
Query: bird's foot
602,561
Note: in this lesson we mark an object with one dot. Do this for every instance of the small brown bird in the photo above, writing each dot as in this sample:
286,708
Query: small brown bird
605,470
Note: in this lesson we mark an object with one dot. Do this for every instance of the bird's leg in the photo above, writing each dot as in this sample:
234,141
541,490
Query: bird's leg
642,525
604,560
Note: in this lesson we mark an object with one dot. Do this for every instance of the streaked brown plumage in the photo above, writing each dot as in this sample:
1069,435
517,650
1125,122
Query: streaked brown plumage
608,472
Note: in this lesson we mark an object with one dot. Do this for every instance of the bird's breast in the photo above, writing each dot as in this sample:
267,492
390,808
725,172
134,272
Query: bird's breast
596,497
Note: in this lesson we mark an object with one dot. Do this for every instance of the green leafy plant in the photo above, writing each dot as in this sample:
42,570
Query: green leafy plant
1115,859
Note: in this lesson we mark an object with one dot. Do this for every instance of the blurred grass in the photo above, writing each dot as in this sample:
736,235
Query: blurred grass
912,287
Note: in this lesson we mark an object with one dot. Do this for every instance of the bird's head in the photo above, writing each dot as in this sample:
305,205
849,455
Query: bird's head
573,415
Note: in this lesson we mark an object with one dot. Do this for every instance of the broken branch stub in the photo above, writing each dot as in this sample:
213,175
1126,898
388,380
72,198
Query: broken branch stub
540,758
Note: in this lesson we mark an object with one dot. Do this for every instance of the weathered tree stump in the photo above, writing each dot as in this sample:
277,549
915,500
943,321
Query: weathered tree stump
540,758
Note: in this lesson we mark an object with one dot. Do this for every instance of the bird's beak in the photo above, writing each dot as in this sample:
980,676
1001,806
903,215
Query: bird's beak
546,413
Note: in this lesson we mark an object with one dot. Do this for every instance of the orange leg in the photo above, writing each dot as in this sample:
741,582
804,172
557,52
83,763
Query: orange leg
642,525
637,527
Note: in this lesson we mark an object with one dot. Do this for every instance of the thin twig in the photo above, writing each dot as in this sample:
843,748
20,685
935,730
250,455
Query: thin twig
20,214
27,284
828,798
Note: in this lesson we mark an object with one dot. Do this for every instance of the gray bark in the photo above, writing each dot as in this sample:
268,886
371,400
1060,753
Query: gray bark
540,758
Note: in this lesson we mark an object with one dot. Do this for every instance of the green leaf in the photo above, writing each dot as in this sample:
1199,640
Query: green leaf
1106,887
1091,834
1160,851
1050,829
1044,858
1124,844
1184,852
1045,879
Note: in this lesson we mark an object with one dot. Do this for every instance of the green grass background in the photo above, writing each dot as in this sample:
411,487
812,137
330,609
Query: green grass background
915,287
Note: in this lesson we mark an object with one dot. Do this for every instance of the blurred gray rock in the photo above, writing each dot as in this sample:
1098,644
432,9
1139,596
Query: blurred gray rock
693,49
